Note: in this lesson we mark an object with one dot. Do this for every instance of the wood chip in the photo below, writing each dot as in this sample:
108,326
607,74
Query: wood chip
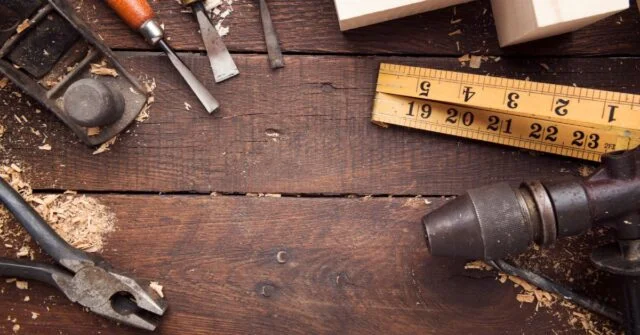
478,265
22,285
526,297
93,131
16,328
585,170
22,26
34,315
522,283
456,32
101,69
16,168
154,285
475,62
26,298
4,82
46,147
24,251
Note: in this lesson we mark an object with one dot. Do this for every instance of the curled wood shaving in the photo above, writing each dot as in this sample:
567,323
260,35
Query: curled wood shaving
106,146
101,69
150,86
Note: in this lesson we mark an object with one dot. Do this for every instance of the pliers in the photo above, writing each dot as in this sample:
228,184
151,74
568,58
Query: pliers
84,278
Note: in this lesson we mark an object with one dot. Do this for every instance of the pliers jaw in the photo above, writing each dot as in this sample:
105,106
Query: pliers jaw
113,296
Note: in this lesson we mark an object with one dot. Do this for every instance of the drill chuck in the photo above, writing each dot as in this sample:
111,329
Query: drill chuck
499,220
485,223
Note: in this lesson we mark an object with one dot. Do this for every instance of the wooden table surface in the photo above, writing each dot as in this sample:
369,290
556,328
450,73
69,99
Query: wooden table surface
357,260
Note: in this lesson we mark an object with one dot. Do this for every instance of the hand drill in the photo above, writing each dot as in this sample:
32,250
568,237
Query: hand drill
496,221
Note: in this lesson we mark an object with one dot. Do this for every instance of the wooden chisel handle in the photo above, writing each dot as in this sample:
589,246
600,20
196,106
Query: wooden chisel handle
133,12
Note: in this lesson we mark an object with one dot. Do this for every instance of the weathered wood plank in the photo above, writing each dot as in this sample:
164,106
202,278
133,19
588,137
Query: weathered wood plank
356,266
305,129
311,26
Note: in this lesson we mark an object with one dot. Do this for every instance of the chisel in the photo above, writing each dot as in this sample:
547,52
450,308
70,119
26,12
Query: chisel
140,17
271,38
219,57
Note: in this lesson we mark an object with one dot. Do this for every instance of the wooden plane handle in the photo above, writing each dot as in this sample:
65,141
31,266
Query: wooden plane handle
133,12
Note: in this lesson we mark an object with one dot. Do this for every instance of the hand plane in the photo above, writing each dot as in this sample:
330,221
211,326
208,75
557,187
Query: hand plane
47,51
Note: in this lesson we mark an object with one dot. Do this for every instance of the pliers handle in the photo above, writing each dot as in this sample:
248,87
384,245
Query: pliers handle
82,277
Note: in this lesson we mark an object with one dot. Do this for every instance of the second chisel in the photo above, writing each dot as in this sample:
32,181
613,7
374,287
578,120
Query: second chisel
221,62
140,17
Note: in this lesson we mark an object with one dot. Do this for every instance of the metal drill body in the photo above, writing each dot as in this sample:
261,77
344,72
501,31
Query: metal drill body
499,220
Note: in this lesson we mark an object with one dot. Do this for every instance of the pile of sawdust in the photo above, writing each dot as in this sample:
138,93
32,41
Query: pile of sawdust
81,221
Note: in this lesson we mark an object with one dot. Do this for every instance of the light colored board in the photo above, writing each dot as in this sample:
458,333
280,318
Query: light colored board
358,13
519,21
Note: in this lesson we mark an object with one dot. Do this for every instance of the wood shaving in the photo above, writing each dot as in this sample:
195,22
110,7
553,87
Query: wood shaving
23,252
16,328
218,11
546,67
26,298
4,82
150,85
187,106
526,298
585,170
154,285
478,265
106,146
22,26
456,32
34,315
22,285
46,147
93,131
380,124
476,62
101,69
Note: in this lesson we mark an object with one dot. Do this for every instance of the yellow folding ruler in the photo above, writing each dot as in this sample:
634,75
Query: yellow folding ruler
565,120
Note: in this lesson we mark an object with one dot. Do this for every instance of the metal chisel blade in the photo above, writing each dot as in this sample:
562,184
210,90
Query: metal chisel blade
208,101
221,62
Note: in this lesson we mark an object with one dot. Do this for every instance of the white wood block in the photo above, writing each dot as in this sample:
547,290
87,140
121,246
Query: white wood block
358,13
521,21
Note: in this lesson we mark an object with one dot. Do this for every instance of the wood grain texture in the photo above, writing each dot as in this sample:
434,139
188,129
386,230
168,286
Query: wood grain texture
311,26
303,130
357,266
